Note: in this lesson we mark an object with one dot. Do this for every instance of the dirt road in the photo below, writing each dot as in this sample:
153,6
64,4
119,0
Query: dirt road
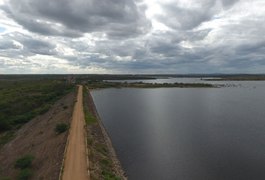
75,164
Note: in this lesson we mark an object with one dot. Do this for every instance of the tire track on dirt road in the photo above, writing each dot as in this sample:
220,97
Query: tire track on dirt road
75,164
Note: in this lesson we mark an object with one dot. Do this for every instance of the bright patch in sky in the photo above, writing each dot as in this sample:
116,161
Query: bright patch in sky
2,29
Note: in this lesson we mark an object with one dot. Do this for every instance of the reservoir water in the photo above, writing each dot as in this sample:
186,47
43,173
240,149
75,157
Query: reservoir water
187,133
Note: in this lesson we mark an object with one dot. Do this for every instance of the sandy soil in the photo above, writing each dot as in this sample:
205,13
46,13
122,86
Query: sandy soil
38,138
75,164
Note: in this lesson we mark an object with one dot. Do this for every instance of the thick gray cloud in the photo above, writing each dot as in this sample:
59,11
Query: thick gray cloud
115,36
186,17
116,18
39,47
17,44
7,44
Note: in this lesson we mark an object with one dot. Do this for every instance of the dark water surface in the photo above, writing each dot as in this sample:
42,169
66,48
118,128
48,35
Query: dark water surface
187,133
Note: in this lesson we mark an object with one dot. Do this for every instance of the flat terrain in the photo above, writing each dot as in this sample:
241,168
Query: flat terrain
75,165
38,138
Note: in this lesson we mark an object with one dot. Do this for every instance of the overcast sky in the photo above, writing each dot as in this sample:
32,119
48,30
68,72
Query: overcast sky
132,36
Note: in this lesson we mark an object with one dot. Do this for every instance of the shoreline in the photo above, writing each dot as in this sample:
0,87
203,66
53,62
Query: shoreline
116,162
102,84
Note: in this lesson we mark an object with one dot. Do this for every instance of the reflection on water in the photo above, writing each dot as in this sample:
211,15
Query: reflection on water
187,133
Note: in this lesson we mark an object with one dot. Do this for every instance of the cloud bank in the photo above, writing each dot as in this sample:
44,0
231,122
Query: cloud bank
132,36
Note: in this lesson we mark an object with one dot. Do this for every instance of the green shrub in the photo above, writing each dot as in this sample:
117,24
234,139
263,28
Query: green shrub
108,175
21,119
43,109
4,124
24,162
6,137
89,118
25,174
105,162
61,127
4,178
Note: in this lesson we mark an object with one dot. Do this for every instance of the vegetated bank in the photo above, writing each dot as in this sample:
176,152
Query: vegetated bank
238,77
107,84
103,162
33,111
20,101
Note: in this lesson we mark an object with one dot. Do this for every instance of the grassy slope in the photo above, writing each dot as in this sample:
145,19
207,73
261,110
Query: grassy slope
20,101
